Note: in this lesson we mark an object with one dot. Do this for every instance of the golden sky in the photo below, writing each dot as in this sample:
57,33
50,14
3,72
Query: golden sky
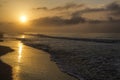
60,15
11,10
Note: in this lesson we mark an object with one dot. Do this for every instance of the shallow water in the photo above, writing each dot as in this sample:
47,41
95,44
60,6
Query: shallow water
32,64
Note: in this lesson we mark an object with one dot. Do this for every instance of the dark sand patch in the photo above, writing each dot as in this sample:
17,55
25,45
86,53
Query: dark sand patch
5,69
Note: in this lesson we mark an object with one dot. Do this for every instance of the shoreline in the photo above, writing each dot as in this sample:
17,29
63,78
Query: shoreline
52,56
5,69
82,60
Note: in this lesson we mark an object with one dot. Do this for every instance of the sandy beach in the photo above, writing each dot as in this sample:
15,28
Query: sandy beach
5,69
83,59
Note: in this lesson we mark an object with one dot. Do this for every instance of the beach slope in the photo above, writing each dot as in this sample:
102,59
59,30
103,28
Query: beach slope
5,69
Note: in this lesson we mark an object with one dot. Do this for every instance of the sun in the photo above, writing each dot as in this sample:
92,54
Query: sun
23,19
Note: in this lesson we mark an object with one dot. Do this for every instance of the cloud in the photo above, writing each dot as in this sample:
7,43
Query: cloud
68,6
77,25
110,10
41,8
76,15
70,9
114,8
59,8
88,10
56,20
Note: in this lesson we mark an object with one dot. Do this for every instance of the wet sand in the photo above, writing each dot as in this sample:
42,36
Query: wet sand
5,69
86,60
32,64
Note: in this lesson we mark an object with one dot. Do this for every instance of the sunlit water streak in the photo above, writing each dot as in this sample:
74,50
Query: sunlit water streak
20,48
31,64
17,68
23,36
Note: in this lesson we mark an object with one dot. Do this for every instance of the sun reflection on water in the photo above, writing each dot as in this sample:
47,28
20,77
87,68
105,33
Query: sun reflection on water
16,71
20,48
23,36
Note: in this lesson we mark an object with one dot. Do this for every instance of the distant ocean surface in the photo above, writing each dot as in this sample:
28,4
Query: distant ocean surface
73,35
84,35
